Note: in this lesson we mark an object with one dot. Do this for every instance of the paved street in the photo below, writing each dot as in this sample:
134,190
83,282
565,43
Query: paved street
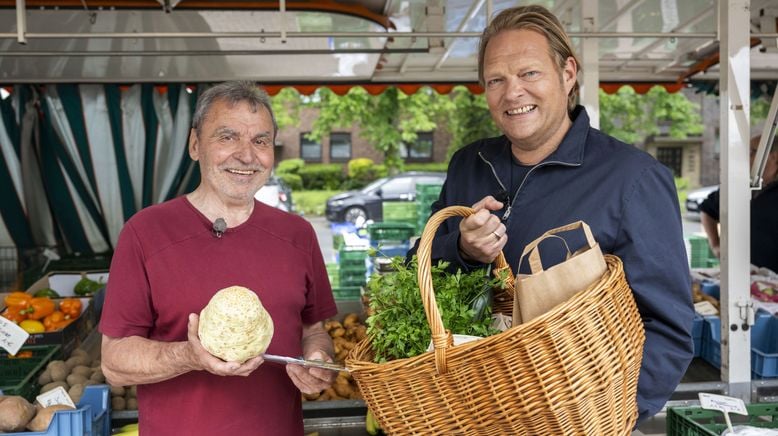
322,228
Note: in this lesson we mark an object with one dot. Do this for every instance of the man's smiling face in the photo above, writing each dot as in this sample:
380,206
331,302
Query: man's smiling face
235,150
525,90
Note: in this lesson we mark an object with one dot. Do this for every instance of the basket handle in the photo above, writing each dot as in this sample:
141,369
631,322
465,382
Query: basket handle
442,338
533,249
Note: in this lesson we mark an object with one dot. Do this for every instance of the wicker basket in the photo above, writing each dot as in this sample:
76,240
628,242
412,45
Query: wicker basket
571,371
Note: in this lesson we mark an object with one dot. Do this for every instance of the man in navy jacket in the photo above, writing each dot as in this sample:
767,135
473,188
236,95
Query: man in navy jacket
550,168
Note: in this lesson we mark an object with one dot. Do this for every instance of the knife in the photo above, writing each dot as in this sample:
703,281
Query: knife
304,362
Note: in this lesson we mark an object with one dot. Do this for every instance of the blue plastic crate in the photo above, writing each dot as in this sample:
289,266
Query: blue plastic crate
764,348
710,288
764,344
91,418
697,324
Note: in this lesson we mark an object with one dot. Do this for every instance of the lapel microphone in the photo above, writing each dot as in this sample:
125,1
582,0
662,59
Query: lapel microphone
502,196
219,226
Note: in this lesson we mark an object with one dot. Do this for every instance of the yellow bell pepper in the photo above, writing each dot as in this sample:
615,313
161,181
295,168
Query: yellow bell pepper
32,326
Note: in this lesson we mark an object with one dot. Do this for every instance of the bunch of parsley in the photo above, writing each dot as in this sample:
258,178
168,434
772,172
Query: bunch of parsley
397,324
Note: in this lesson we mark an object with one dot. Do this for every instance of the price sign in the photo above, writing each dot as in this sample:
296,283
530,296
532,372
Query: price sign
12,336
55,396
722,403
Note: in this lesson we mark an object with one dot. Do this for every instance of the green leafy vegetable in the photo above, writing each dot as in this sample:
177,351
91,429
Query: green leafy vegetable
397,323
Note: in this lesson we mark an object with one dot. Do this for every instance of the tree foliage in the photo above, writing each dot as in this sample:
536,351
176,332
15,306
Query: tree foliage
468,119
386,120
392,118
286,107
632,117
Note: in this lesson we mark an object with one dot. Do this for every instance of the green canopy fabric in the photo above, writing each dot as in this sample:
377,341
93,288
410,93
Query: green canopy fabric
77,161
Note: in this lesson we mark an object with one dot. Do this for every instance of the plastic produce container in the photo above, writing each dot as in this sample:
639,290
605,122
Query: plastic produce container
696,421
91,418
19,375
764,344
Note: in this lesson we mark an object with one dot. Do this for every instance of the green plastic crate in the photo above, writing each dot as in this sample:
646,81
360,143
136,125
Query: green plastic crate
349,255
694,421
390,231
399,211
701,255
333,273
353,276
19,375
428,189
346,292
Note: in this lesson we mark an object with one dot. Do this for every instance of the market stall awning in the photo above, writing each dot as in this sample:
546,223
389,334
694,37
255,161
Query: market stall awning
347,42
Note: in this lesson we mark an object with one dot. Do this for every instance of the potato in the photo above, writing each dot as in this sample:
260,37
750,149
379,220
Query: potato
44,416
79,352
361,332
350,320
54,385
15,413
82,370
76,392
78,360
117,391
132,403
133,391
45,378
343,390
118,403
59,370
98,376
311,397
76,379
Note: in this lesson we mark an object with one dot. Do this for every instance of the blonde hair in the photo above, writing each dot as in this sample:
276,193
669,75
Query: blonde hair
538,19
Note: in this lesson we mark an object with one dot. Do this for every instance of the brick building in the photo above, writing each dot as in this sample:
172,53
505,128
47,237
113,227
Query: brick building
343,145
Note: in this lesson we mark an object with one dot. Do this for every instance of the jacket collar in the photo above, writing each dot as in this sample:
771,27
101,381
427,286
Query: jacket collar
570,150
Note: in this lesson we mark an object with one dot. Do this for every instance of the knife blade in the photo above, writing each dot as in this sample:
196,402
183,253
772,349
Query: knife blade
304,362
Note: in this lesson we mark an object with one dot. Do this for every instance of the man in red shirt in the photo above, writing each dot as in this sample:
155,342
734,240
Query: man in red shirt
171,259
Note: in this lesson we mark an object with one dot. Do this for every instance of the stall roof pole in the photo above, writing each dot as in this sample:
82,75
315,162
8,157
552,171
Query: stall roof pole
21,22
736,308
590,58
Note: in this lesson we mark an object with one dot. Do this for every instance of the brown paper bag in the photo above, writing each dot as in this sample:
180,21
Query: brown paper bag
541,291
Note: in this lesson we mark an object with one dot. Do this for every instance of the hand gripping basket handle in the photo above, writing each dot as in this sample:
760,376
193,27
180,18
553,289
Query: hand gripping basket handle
532,248
441,338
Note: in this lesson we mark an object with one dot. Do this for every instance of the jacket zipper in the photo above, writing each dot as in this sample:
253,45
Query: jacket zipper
507,213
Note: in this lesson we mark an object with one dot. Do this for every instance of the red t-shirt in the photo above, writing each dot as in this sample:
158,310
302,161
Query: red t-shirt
168,264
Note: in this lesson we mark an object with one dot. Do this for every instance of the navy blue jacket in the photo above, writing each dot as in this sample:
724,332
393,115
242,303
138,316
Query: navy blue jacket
629,201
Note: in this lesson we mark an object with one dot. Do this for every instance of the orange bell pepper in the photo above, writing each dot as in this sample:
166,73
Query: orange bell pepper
18,299
71,307
60,325
53,319
39,308
14,314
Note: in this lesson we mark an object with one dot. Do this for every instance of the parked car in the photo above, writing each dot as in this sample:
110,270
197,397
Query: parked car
276,193
366,204
694,198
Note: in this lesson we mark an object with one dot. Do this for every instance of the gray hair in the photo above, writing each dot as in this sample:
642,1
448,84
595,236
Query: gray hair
538,19
233,93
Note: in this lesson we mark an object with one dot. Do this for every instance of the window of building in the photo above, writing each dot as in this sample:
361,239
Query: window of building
420,151
340,146
671,157
310,151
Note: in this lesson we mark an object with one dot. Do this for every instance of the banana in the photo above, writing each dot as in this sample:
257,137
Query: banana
129,427
370,424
